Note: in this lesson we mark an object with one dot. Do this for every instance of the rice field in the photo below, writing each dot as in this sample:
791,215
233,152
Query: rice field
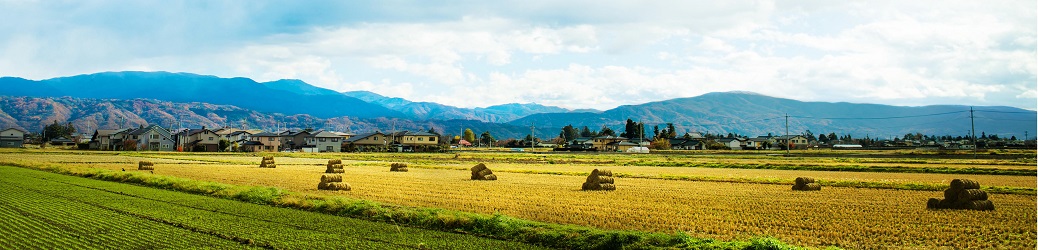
548,188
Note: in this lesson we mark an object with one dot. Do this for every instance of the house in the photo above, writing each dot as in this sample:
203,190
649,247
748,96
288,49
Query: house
581,143
344,135
621,146
374,141
685,144
200,140
62,141
607,142
107,139
296,140
326,141
406,140
732,143
267,142
152,137
759,142
793,141
238,138
12,138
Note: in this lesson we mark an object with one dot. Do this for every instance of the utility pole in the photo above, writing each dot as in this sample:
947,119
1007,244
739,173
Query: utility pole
532,137
973,133
787,134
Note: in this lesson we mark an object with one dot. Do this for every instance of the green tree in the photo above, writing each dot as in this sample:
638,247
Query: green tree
661,143
486,138
606,131
671,131
569,133
633,129
56,130
433,131
469,136
224,143
585,132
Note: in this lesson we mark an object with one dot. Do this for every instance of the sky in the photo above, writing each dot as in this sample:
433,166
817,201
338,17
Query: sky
573,54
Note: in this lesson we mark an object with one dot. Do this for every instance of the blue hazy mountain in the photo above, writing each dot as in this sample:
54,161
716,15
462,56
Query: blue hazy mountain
435,111
285,96
755,114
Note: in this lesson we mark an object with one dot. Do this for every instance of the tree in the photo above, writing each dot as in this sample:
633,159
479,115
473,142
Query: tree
224,143
661,143
671,132
585,132
130,144
656,131
469,136
822,138
606,131
486,138
633,129
1013,138
832,137
433,131
56,130
569,133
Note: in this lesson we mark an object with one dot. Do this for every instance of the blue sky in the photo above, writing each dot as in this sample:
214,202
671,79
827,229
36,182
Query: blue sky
573,54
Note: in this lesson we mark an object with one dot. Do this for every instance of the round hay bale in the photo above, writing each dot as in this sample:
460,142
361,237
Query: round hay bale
145,168
800,181
972,195
811,187
335,171
951,194
979,205
485,171
586,186
607,187
322,186
479,167
490,177
964,184
798,187
933,203
605,180
340,186
605,172
331,178
592,179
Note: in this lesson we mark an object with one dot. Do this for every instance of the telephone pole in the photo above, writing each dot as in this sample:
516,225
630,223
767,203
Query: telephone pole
532,137
787,134
973,133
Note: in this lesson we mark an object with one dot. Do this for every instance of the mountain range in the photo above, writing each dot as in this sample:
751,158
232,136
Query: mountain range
112,99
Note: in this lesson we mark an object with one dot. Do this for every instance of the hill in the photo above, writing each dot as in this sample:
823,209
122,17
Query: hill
754,114
87,115
285,96
435,111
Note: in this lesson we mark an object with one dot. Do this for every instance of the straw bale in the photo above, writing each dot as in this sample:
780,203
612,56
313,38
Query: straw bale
331,178
972,195
800,181
964,184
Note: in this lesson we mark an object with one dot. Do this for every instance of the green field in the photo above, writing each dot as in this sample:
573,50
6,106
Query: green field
42,210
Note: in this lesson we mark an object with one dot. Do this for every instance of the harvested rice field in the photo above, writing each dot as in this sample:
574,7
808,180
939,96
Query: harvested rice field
726,201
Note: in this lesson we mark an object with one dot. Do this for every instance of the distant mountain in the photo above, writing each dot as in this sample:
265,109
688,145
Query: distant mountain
87,115
298,87
435,111
284,96
754,114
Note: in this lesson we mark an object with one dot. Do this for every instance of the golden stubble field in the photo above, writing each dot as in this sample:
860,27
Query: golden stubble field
847,217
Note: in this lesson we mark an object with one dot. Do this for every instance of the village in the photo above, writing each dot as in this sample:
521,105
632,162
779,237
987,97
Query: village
229,139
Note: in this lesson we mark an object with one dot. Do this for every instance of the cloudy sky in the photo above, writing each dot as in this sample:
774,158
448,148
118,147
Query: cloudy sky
574,54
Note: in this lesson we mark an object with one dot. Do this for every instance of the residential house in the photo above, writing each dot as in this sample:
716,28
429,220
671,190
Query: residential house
732,143
406,140
105,139
621,146
582,143
344,135
685,144
62,141
296,140
152,137
201,139
12,138
238,138
373,141
326,141
267,142
760,142
607,142
794,141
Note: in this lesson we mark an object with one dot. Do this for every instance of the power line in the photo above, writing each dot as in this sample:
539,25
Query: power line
1006,112
878,118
